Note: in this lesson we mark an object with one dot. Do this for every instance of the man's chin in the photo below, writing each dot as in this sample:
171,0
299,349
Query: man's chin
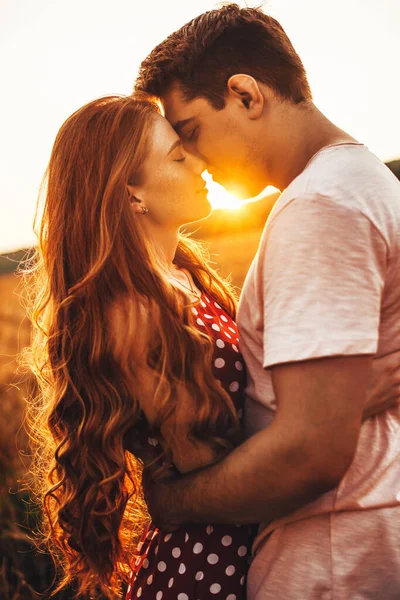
239,189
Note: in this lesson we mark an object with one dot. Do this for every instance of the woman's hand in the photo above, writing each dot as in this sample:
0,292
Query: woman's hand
384,386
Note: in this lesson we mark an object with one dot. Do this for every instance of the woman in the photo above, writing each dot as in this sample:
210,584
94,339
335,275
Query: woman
128,317
136,356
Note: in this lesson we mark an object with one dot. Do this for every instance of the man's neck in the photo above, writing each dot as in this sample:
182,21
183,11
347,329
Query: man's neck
303,132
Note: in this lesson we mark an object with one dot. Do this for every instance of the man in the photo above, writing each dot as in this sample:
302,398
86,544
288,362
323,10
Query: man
322,297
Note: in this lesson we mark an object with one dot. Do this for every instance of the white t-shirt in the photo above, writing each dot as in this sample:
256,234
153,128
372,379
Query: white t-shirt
325,282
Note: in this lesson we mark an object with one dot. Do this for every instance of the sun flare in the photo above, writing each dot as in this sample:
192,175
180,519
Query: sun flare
218,196
221,199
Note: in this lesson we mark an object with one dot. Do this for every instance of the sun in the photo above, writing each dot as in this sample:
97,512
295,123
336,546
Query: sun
221,199
218,196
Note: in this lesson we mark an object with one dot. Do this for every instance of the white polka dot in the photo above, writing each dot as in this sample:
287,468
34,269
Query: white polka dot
217,305
230,570
129,589
242,580
239,365
219,363
199,576
176,552
226,540
234,386
159,595
139,592
168,537
149,535
223,318
171,582
186,537
137,561
183,597
200,322
231,597
194,311
227,335
236,349
182,569
231,329
216,327
207,316
220,343
156,550
209,529
150,579
161,566
197,548
152,442
139,546
215,588
203,303
145,563
206,299
242,551
212,559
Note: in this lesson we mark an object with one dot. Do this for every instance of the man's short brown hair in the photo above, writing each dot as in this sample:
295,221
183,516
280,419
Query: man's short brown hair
207,51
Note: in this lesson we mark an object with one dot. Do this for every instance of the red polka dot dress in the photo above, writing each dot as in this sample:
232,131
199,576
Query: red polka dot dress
199,562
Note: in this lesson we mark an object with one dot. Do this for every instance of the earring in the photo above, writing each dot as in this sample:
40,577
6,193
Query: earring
145,210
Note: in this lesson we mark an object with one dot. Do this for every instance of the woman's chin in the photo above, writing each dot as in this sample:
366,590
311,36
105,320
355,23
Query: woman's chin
199,216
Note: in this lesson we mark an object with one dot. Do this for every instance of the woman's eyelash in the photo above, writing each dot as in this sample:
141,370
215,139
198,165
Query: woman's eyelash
180,159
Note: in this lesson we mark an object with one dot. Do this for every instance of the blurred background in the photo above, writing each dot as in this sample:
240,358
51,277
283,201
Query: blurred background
58,55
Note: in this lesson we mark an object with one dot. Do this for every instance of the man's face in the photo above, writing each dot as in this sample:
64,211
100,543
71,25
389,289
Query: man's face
225,139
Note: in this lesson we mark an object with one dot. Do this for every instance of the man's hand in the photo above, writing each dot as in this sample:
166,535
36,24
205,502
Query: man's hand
160,500
384,385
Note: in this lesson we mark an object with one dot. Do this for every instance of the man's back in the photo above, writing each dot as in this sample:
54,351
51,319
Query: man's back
337,292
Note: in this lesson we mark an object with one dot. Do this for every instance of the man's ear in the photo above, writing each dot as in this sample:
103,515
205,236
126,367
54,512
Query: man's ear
246,89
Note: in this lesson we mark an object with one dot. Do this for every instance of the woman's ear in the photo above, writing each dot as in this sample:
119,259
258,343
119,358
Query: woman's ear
246,89
135,200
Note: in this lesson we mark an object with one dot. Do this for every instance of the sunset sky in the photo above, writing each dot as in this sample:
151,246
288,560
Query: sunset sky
58,55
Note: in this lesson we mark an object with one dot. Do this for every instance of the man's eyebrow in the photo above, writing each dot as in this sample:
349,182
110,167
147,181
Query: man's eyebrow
174,145
179,125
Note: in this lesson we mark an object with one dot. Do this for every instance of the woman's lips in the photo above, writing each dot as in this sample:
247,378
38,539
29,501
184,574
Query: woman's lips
202,189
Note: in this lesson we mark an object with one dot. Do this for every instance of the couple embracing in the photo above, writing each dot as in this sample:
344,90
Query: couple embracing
268,433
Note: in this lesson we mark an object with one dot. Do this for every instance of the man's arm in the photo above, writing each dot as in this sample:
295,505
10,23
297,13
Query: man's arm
302,454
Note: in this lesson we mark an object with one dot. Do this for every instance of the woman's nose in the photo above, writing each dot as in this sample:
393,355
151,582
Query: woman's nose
199,165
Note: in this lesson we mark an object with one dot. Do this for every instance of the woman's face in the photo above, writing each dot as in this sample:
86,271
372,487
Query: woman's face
171,186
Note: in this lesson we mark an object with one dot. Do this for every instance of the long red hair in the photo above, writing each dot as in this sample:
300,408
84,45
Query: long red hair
92,253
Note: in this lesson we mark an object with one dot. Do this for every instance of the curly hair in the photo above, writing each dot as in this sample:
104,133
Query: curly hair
208,50
92,254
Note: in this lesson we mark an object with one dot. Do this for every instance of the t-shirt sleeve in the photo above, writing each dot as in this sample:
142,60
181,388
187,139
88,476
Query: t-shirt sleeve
322,271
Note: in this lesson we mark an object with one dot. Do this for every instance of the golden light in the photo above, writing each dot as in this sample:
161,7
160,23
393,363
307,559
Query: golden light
218,196
221,199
